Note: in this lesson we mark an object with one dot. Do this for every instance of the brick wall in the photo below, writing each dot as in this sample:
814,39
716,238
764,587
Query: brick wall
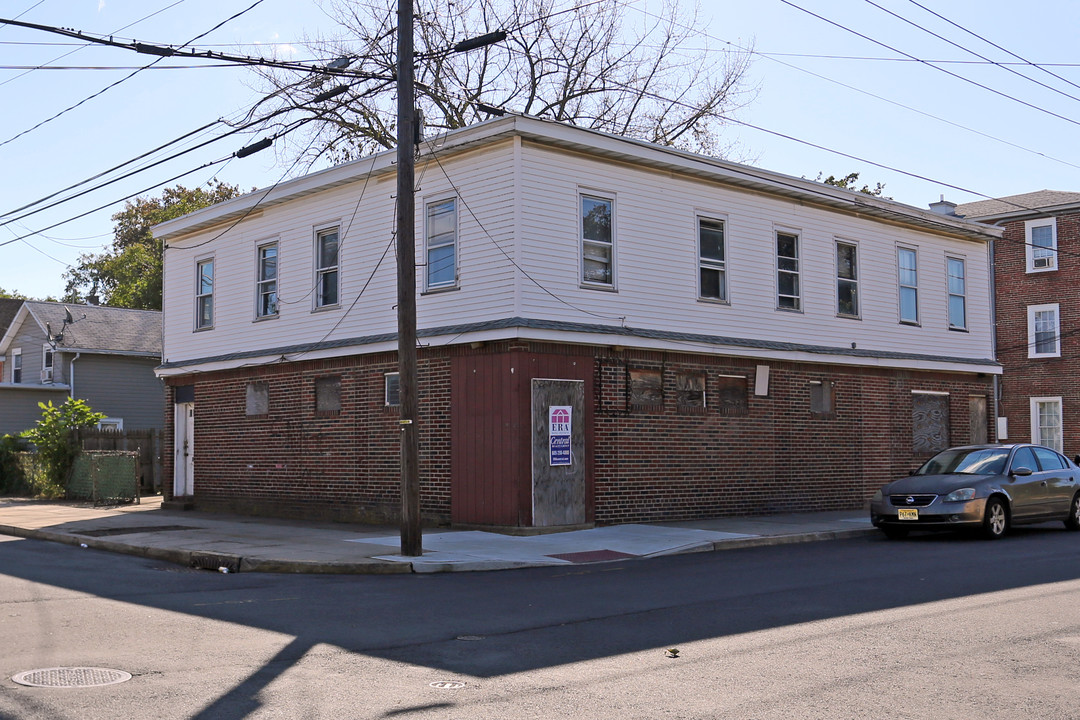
664,461
1026,377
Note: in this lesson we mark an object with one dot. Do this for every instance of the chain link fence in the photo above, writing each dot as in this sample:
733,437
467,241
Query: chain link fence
105,477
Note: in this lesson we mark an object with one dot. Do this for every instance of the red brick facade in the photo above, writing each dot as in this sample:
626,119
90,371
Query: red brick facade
1017,289
669,460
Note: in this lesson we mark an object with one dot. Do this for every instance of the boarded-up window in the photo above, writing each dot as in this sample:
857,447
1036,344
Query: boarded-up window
258,398
930,423
821,400
646,388
328,394
731,395
690,387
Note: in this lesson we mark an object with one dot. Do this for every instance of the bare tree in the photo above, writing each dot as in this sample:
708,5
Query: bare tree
652,77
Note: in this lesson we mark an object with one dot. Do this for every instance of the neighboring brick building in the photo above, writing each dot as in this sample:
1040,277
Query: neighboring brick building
1037,307
610,332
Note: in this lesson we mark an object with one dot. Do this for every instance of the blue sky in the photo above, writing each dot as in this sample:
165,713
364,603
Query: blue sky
822,90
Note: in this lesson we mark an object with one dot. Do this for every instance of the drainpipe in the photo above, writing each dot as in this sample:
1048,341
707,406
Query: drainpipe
993,335
71,375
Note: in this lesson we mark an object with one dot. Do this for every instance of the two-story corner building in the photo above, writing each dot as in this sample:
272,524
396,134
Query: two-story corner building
1037,306
610,331
106,356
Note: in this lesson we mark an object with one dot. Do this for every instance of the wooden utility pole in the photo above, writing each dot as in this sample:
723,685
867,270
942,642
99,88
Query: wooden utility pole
411,537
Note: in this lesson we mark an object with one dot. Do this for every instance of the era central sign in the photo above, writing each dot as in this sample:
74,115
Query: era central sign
559,424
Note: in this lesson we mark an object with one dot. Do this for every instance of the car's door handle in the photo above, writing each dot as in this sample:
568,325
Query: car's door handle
1043,483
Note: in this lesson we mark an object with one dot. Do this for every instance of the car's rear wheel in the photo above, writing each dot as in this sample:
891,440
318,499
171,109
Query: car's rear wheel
1073,521
894,533
996,519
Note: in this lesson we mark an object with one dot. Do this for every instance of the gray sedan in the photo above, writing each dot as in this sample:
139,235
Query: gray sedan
986,487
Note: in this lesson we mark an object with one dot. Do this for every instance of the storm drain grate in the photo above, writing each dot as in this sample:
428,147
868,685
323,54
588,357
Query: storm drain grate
104,532
213,561
71,677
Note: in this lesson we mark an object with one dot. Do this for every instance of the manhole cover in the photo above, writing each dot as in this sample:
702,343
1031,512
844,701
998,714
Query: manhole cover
448,684
71,677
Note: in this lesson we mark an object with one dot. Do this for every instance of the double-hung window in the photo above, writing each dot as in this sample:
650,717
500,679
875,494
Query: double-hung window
204,294
711,260
1044,331
16,365
957,272
908,265
847,279
788,293
441,233
266,282
1041,244
327,277
1046,422
597,241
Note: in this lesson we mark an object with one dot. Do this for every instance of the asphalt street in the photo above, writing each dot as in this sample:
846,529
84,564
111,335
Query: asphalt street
932,627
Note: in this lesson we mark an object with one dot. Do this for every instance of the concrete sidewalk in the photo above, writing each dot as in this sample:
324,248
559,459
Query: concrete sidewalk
248,544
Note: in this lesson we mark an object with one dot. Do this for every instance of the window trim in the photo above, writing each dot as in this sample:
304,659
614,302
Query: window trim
720,266
318,232
610,199
16,365
201,297
111,423
1032,310
1036,425
260,283
949,259
48,363
386,389
900,286
797,272
1029,245
857,315
453,243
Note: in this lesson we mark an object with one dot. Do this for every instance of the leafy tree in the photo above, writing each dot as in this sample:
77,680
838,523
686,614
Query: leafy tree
54,438
13,295
591,66
849,182
129,273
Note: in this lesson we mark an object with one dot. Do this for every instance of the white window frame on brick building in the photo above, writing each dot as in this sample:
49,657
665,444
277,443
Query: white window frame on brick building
597,244
788,271
1047,422
1044,330
1040,245
712,259
956,278
392,389
908,283
204,294
327,268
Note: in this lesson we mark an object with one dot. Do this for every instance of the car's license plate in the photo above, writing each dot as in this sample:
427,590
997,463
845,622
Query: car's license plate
907,514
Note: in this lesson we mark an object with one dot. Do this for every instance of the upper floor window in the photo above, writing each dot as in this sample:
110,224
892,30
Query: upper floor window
16,365
788,293
204,294
847,279
597,241
46,364
957,270
1043,331
266,283
442,230
711,260
326,267
1041,244
908,265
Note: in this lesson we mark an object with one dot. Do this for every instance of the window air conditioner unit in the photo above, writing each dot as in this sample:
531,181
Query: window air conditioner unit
1043,262
46,375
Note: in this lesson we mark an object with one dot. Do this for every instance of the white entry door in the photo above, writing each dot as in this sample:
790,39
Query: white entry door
184,451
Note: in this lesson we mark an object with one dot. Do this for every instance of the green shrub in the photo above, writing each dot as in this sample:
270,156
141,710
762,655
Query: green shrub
56,444
12,478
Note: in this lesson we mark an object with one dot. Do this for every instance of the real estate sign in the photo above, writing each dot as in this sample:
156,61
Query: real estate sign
559,424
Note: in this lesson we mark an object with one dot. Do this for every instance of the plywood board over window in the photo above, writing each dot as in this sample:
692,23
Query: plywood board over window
328,394
646,387
929,423
731,394
690,390
821,400
258,398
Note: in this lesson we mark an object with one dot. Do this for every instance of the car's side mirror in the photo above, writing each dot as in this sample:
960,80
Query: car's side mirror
1021,471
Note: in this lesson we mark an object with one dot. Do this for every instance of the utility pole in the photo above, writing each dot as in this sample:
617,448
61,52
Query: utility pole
408,385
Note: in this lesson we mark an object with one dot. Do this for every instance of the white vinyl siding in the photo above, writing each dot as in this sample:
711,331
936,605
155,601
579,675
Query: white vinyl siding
1046,423
1044,331
1040,240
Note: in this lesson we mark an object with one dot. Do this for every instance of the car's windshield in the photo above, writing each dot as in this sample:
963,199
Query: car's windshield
973,461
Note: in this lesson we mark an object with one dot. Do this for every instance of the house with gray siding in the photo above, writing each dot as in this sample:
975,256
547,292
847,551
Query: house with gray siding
106,356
